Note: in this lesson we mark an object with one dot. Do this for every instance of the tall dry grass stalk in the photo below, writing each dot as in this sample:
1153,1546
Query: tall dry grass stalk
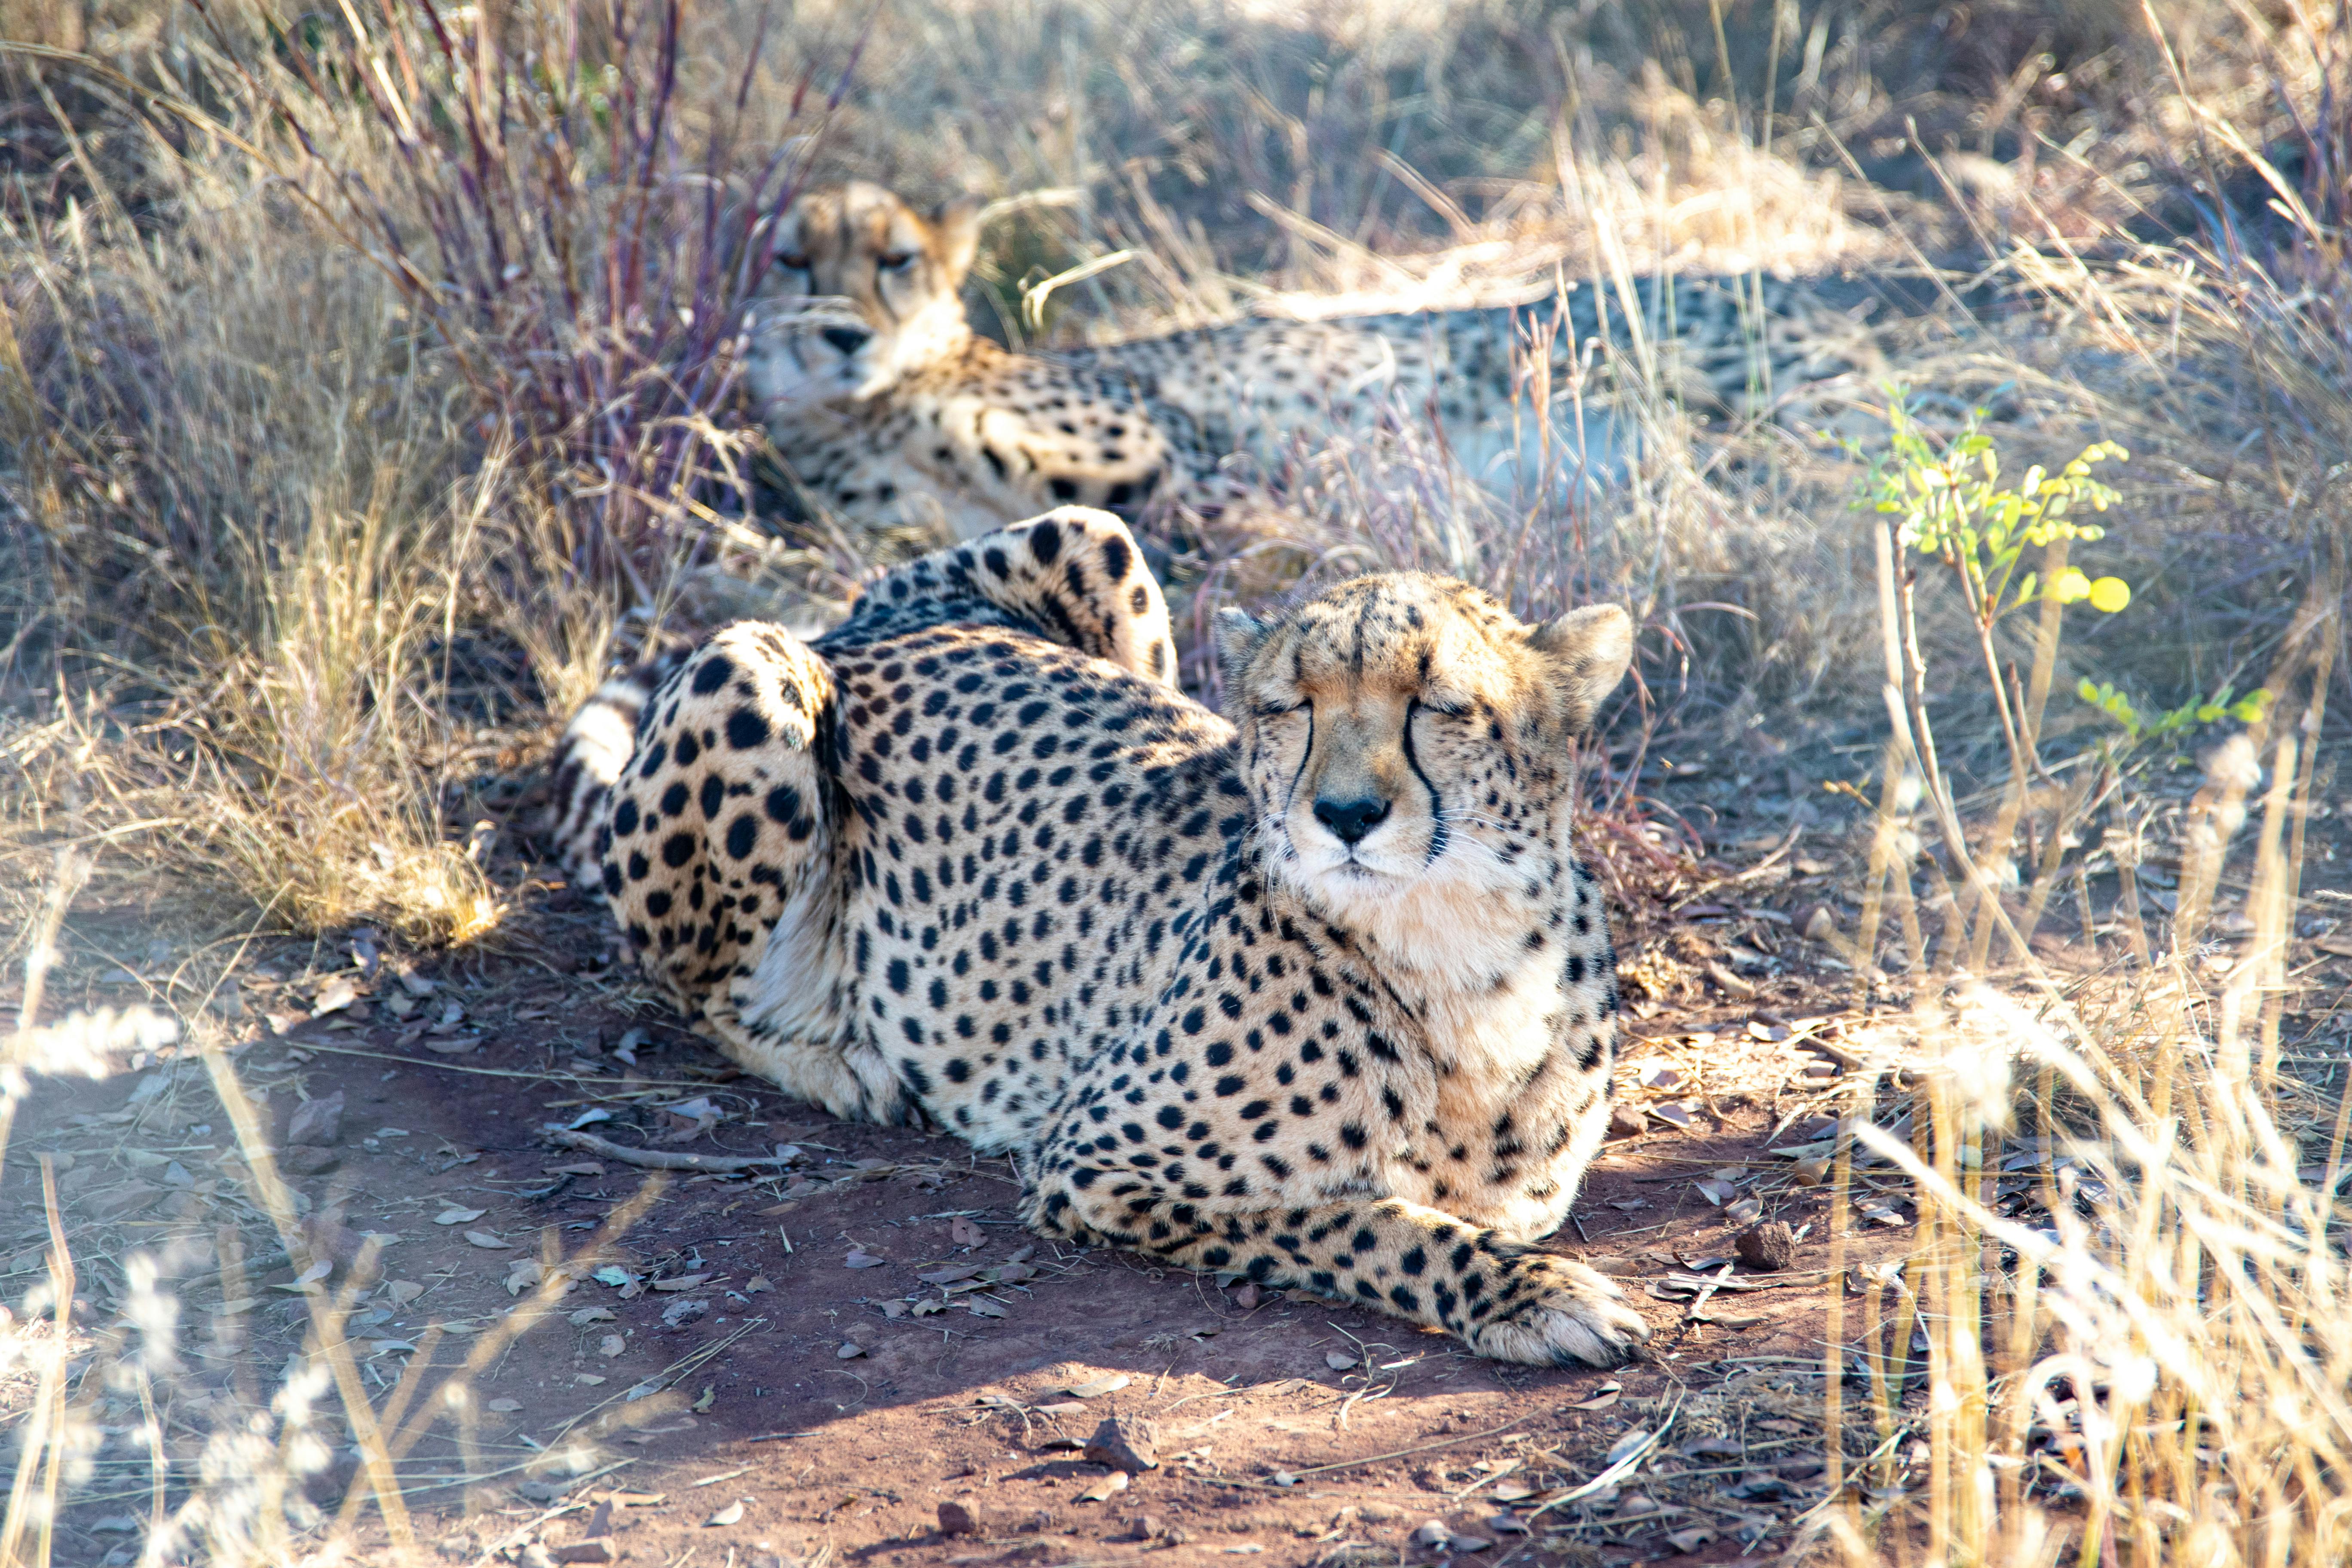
2153,1370
2156,1373
258,539
357,391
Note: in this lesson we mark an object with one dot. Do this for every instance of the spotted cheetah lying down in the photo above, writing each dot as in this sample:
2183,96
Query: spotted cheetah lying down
887,408
1318,995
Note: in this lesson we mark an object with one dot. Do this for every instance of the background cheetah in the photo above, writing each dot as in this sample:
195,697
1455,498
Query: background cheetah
886,405
1319,995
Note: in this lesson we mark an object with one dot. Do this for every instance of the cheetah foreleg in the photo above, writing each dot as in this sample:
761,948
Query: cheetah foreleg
1502,1298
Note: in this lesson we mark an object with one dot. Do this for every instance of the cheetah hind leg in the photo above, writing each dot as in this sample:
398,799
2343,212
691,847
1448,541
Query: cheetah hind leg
1503,1299
720,867
593,752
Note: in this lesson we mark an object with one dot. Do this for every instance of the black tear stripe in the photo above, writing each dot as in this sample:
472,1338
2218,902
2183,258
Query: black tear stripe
1291,799
879,297
1438,833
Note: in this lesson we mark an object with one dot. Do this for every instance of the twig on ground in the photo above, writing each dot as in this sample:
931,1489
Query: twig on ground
657,1159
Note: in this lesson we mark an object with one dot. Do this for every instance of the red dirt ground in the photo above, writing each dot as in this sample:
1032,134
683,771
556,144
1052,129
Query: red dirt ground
769,1343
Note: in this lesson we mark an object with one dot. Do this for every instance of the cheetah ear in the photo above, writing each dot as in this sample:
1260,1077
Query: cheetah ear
1588,650
1239,636
957,224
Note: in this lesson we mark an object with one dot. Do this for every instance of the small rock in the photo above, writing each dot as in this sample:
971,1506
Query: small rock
1433,1533
124,1200
956,1518
539,1491
1147,1527
318,1121
1624,1121
307,1160
595,1549
1125,1443
684,1311
330,1238
535,1556
1769,1244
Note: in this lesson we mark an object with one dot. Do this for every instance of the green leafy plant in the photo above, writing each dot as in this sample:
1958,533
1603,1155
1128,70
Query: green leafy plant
2139,726
1947,501
1949,504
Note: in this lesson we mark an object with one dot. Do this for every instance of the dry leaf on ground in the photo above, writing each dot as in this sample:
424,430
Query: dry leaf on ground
1097,1387
1607,1394
333,997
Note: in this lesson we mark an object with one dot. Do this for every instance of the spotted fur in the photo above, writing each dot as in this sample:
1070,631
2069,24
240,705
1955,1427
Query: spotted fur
1318,994
889,409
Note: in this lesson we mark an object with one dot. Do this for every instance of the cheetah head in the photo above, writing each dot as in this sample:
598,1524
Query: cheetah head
1405,741
861,290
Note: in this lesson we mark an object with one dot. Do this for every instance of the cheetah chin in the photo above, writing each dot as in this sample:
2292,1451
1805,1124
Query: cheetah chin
1315,993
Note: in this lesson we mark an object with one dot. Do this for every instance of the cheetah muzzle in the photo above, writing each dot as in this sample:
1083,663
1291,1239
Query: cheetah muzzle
1317,995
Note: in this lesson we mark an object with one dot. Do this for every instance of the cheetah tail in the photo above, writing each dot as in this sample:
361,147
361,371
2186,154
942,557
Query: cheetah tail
595,749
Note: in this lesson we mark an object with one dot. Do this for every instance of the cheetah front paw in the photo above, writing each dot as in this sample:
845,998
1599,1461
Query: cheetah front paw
1565,1313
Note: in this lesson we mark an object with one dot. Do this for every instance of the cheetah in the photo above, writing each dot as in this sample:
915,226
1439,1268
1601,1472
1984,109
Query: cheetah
1314,993
888,408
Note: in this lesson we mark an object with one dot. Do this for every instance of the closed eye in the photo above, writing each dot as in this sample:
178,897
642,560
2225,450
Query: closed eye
897,260
1275,709
1447,710
792,263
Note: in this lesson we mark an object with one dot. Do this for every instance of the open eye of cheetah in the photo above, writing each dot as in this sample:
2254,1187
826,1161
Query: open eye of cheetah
1406,741
861,290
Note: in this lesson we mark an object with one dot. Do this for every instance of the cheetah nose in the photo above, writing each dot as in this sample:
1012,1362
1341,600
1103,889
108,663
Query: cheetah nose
847,340
1352,819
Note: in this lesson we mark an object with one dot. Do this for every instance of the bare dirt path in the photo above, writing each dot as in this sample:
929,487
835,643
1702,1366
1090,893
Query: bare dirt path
860,1354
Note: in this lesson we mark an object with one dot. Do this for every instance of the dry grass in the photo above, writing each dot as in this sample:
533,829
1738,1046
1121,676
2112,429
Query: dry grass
314,528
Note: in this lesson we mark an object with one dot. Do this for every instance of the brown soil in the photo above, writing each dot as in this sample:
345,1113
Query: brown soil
771,1342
